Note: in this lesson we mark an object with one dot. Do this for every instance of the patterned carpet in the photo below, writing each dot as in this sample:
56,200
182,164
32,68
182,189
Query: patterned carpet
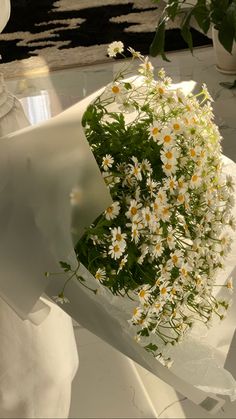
67,33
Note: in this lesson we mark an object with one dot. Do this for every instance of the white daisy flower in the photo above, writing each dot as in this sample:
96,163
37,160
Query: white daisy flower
116,47
165,213
147,216
135,54
169,155
165,292
100,274
144,294
161,196
122,263
116,250
171,184
144,251
112,211
61,299
137,314
158,248
171,241
155,130
135,170
229,284
166,138
169,168
157,306
135,233
177,126
146,166
107,162
196,181
184,270
117,236
177,258
133,208
146,68
151,185
182,185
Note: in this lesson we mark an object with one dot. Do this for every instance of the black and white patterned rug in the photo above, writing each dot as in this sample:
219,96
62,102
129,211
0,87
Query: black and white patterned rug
66,33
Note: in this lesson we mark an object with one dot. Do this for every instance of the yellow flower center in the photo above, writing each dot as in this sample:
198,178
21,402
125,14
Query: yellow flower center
115,89
167,138
176,127
142,293
169,154
168,166
192,152
175,259
160,90
109,210
155,131
147,217
180,198
133,210
194,178
135,312
163,290
118,237
116,248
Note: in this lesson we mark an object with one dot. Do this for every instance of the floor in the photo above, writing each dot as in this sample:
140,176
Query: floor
108,384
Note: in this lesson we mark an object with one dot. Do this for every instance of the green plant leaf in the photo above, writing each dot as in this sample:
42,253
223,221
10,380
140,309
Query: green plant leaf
228,84
65,266
227,28
151,347
172,9
158,44
201,14
185,30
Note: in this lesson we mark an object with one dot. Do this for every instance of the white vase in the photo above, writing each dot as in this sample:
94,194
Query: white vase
225,62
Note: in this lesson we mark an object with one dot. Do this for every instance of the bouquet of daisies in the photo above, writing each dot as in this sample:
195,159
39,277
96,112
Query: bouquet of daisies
166,235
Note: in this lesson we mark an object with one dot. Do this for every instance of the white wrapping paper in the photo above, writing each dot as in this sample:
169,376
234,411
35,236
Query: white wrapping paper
39,168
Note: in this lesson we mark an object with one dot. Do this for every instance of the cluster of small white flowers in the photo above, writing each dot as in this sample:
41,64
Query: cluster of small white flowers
175,211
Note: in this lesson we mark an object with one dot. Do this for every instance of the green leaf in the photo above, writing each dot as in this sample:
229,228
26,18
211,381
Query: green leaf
172,9
65,266
151,347
158,44
128,86
228,84
201,14
185,30
227,29
143,332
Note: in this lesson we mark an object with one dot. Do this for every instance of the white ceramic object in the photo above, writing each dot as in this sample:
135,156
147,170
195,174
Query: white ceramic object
5,13
225,62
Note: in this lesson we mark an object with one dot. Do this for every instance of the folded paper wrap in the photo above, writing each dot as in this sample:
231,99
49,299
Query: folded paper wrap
40,167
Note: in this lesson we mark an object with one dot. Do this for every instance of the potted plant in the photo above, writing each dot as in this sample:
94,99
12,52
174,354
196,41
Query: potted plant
218,14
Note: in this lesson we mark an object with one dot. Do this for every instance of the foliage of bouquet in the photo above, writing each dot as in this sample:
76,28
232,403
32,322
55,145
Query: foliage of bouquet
165,236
